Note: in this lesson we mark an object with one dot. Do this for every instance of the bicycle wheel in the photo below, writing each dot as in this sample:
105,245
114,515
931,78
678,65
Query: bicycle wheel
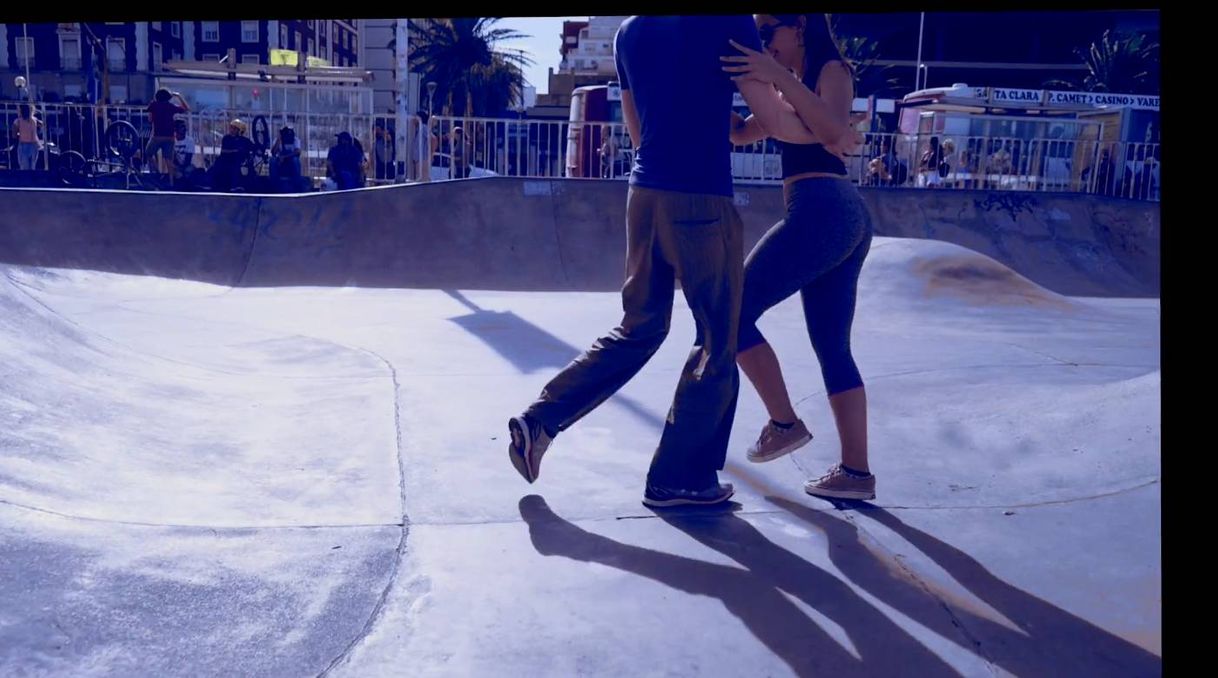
71,168
122,139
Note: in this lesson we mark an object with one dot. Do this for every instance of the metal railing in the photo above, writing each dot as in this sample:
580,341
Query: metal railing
81,128
1111,168
456,148
540,149
558,148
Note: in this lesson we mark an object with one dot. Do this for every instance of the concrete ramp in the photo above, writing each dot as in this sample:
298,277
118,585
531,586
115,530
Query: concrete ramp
519,234
247,435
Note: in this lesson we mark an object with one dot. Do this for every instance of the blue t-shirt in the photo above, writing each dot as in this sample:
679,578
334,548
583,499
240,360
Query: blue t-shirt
684,98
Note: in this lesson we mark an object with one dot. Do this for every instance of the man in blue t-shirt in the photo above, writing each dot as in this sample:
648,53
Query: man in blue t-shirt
681,225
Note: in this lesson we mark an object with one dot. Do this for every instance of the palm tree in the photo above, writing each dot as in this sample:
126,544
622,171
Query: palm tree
1120,62
869,78
472,76
862,54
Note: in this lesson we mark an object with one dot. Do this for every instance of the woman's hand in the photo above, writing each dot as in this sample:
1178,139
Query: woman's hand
753,65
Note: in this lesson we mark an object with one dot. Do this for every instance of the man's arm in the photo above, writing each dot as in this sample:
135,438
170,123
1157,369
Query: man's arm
745,131
630,112
631,115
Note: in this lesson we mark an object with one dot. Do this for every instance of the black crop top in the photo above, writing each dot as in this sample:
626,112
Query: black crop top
801,158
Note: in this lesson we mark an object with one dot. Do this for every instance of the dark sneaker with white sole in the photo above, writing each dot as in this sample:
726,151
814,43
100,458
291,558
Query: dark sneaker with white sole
528,444
657,496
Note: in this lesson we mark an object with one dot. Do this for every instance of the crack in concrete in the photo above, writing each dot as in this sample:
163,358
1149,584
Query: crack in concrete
379,608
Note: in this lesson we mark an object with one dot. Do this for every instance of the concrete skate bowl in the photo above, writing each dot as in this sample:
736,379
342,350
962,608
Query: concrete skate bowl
520,234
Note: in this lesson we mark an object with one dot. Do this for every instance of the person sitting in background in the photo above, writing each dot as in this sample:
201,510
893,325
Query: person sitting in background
285,161
235,152
344,163
183,152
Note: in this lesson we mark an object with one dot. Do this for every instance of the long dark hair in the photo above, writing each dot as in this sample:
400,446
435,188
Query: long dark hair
820,45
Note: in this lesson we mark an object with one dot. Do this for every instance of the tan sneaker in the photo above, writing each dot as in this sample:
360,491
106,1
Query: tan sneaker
774,442
837,484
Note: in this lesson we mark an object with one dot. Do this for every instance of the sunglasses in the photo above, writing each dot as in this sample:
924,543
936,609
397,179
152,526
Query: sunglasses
767,31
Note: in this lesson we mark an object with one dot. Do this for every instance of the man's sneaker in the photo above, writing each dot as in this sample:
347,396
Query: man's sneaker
657,496
776,441
839,483
528,443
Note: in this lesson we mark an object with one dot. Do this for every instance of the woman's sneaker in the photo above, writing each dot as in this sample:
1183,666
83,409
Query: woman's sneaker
839,483
776,441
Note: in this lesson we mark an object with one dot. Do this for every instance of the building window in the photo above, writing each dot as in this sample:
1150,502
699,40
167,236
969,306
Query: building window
211,31
310,48
300,43
249,58
118,94
249,31
116,54
158,56
175,29
73,91
69,52
283,36
25,51
159,25
211,57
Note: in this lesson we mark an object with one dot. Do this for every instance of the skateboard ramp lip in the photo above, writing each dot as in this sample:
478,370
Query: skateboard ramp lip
500,233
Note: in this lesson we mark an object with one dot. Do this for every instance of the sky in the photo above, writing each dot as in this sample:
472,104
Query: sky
542,45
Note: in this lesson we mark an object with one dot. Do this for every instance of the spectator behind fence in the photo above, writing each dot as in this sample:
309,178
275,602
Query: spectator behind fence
425,145
161,112
25,129
970,163
235,152
1103,173
462,150
1144,183
886,169
948,164
613,158
344,163
285,161
384,153
183,152
1000,160
930,173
